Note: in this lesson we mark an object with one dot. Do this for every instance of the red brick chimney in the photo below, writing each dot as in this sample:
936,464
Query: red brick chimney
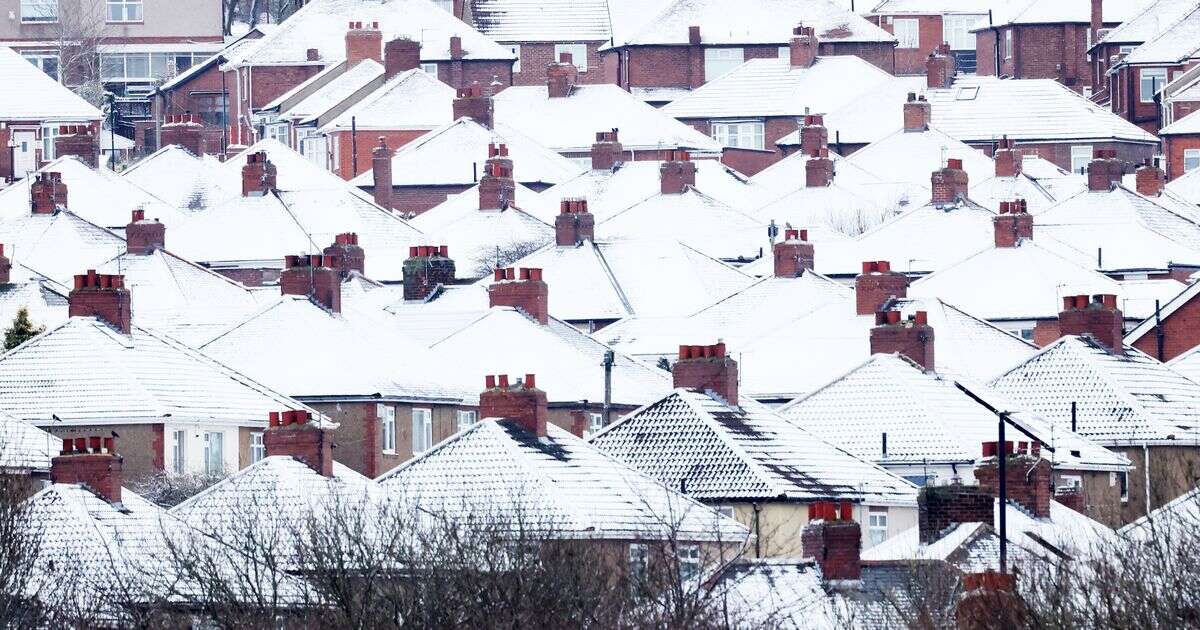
561,76
524,290
258,175
574,224
363,41
471,102
949,183
521,402
794,254
916,113
814,137
876,285
456,49
142,236
400,55
47,193
695,58
79,141
1008,162
833,539
804,46
607,152
1150,179
1098,317
312,54
312,276
1104,171
677,172
818,170
381,171
1013,224
184,130
427,269
101,296
990,600
707,369
92,462
579,423
497,189
940,507
912,337
346,254
1029,478
294,434
1097,19
939,68
5,267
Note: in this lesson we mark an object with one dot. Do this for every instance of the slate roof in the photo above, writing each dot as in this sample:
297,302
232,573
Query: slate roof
911,157
1189,124
24,447
1186,186
182,180
1178,515
694,218
991,192
335,93
747,453
412,99
541,20
1187,364
45,299
557,483
1058,11
27,93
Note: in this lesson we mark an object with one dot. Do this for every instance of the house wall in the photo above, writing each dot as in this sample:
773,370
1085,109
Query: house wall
456,74
1060,152
912,60
1180,108
345,158
1174,470
1040,51
780,525
1127,101
1181,329
141,445
536,56
359,437
162,21
1173,148
774,129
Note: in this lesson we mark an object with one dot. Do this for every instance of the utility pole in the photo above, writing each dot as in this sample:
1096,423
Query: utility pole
609,359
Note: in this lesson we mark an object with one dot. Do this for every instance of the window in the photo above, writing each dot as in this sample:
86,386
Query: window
143,66
1026,334
422,430
907,32
877,524
46,62
49,133
516,50
742,135
124,10
445,5
1191,159
595,422
639,557
178,457
211,108
1008,46
1081,156
466,419
785,52
578,54
1123,482
214,452
726,510
279,132
718,61
956,30
689,562
430,68
39,11
387,422
258,448
1152,80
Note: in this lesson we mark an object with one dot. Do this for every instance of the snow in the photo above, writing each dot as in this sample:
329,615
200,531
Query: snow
28,94
410,100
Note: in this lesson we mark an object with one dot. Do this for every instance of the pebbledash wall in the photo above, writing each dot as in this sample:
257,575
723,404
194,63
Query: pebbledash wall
160,438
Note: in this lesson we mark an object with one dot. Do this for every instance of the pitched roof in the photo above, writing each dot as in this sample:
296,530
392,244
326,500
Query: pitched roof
294,171
477,237
991,192
874,114
410,100
787,176
24,446
57,245
911,157
182,180
1187,364
43,298
1168,308
335,93
827,212
969,547
1142,26
27,93
1189,124
936,7
1186,186
694,218
558,482
747,453
1057,11
1173,43
1181,512
541,20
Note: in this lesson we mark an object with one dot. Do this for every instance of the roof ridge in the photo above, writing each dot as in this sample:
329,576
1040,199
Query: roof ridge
612,278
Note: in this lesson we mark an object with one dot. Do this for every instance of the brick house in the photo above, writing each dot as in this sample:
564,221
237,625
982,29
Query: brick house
920,26
1136,79
1171,331
1113,44
1181,145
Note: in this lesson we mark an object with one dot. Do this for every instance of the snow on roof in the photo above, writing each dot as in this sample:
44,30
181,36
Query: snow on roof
182,180
1059,11
95,375
1154,18
569,124
476,237
1187,364
911,157
936,7
993,191
827,212
1121,399
321,24
316,81
1183,295
541,20
765,22
969,547
1181,512
746,453
24,446
440,158
334,93
772,87
771,592
779,181
694,218
28,94
294,171
927,418
1186,186
410,100
558,483
873,114
1175,43
219,57
58,245
978,109
44,299
1189,124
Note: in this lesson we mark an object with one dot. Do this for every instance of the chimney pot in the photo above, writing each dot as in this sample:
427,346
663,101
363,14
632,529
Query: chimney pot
363,43
526,405
950,184
529,294
1028,479
143,237
803,48
98,468
677,173
834,543
294,436
1099,317
607,152
472,103
707,369
876,285
794,255
258,175
101,296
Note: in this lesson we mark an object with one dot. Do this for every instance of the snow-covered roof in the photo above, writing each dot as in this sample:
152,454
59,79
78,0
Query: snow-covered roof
24,446
94,375
476,237
1186,186
1189,124
1173,43
541,20
981,108
993,191
694,218
1162,523
43,298
1183,296
335,93
28,94
969,547
1059,11
57,245
182,180
1121,399
1153,19
745,453
911,157
1187,364
569,124
936,7
321,24
557,483
792,593
779,181
875,113
294,171
927,418
454,155
827,212
412,99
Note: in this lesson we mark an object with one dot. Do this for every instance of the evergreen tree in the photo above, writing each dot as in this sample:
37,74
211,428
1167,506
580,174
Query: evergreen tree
22,329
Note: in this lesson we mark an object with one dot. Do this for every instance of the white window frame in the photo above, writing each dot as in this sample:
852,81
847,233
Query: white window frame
387,424
1008,45
785,52
908,37
129,10
422,430
516,50
741,134
1192,157
877,525
39,59
1147,95
49,133
179,451
689,562
1077,155
595,422
258,447
430,68
578,55
722,61
39,11
956,30
214,458
639,561
466,418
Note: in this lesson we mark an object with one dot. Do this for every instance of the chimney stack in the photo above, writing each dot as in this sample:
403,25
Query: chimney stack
92,462
607,152
794,254
1028,478
1104,171
803,47
456,49
184,130
1097,19
709,370
363,41
5,267
833,539
472,103
814,137
524,290
497,189
258,175
47,193
1008,162
949,183
818,170
876,285
400,55
381,171
294,434
1013,224
990,600
916,113
574,224
312,276
521,402
101,296
427,269
940,507
912,337
1098,317
677,172
1150,179
940,68
561,76
143,237
346,254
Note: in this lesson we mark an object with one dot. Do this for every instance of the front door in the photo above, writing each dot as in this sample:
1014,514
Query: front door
25,153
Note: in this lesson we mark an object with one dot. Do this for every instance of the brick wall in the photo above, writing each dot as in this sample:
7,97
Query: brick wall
367,141
535,56
1028,480
1173,471
1173,149
457,74
1128,102
912,60
140,444
878,54
1181,332
774,129
1183,108
939,507
359,439
985,53
1060,152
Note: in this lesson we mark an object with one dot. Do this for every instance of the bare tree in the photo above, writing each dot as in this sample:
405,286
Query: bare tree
485,259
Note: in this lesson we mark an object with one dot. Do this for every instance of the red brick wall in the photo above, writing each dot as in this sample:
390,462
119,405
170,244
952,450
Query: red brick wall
774,129
1173,148
459,73
879,54
1183,108
985,53
912,60
535,56
367,141
418,199
1128,104
1181,332
1060,153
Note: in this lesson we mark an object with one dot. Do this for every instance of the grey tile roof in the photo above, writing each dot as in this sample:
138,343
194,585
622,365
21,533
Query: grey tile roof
541,20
